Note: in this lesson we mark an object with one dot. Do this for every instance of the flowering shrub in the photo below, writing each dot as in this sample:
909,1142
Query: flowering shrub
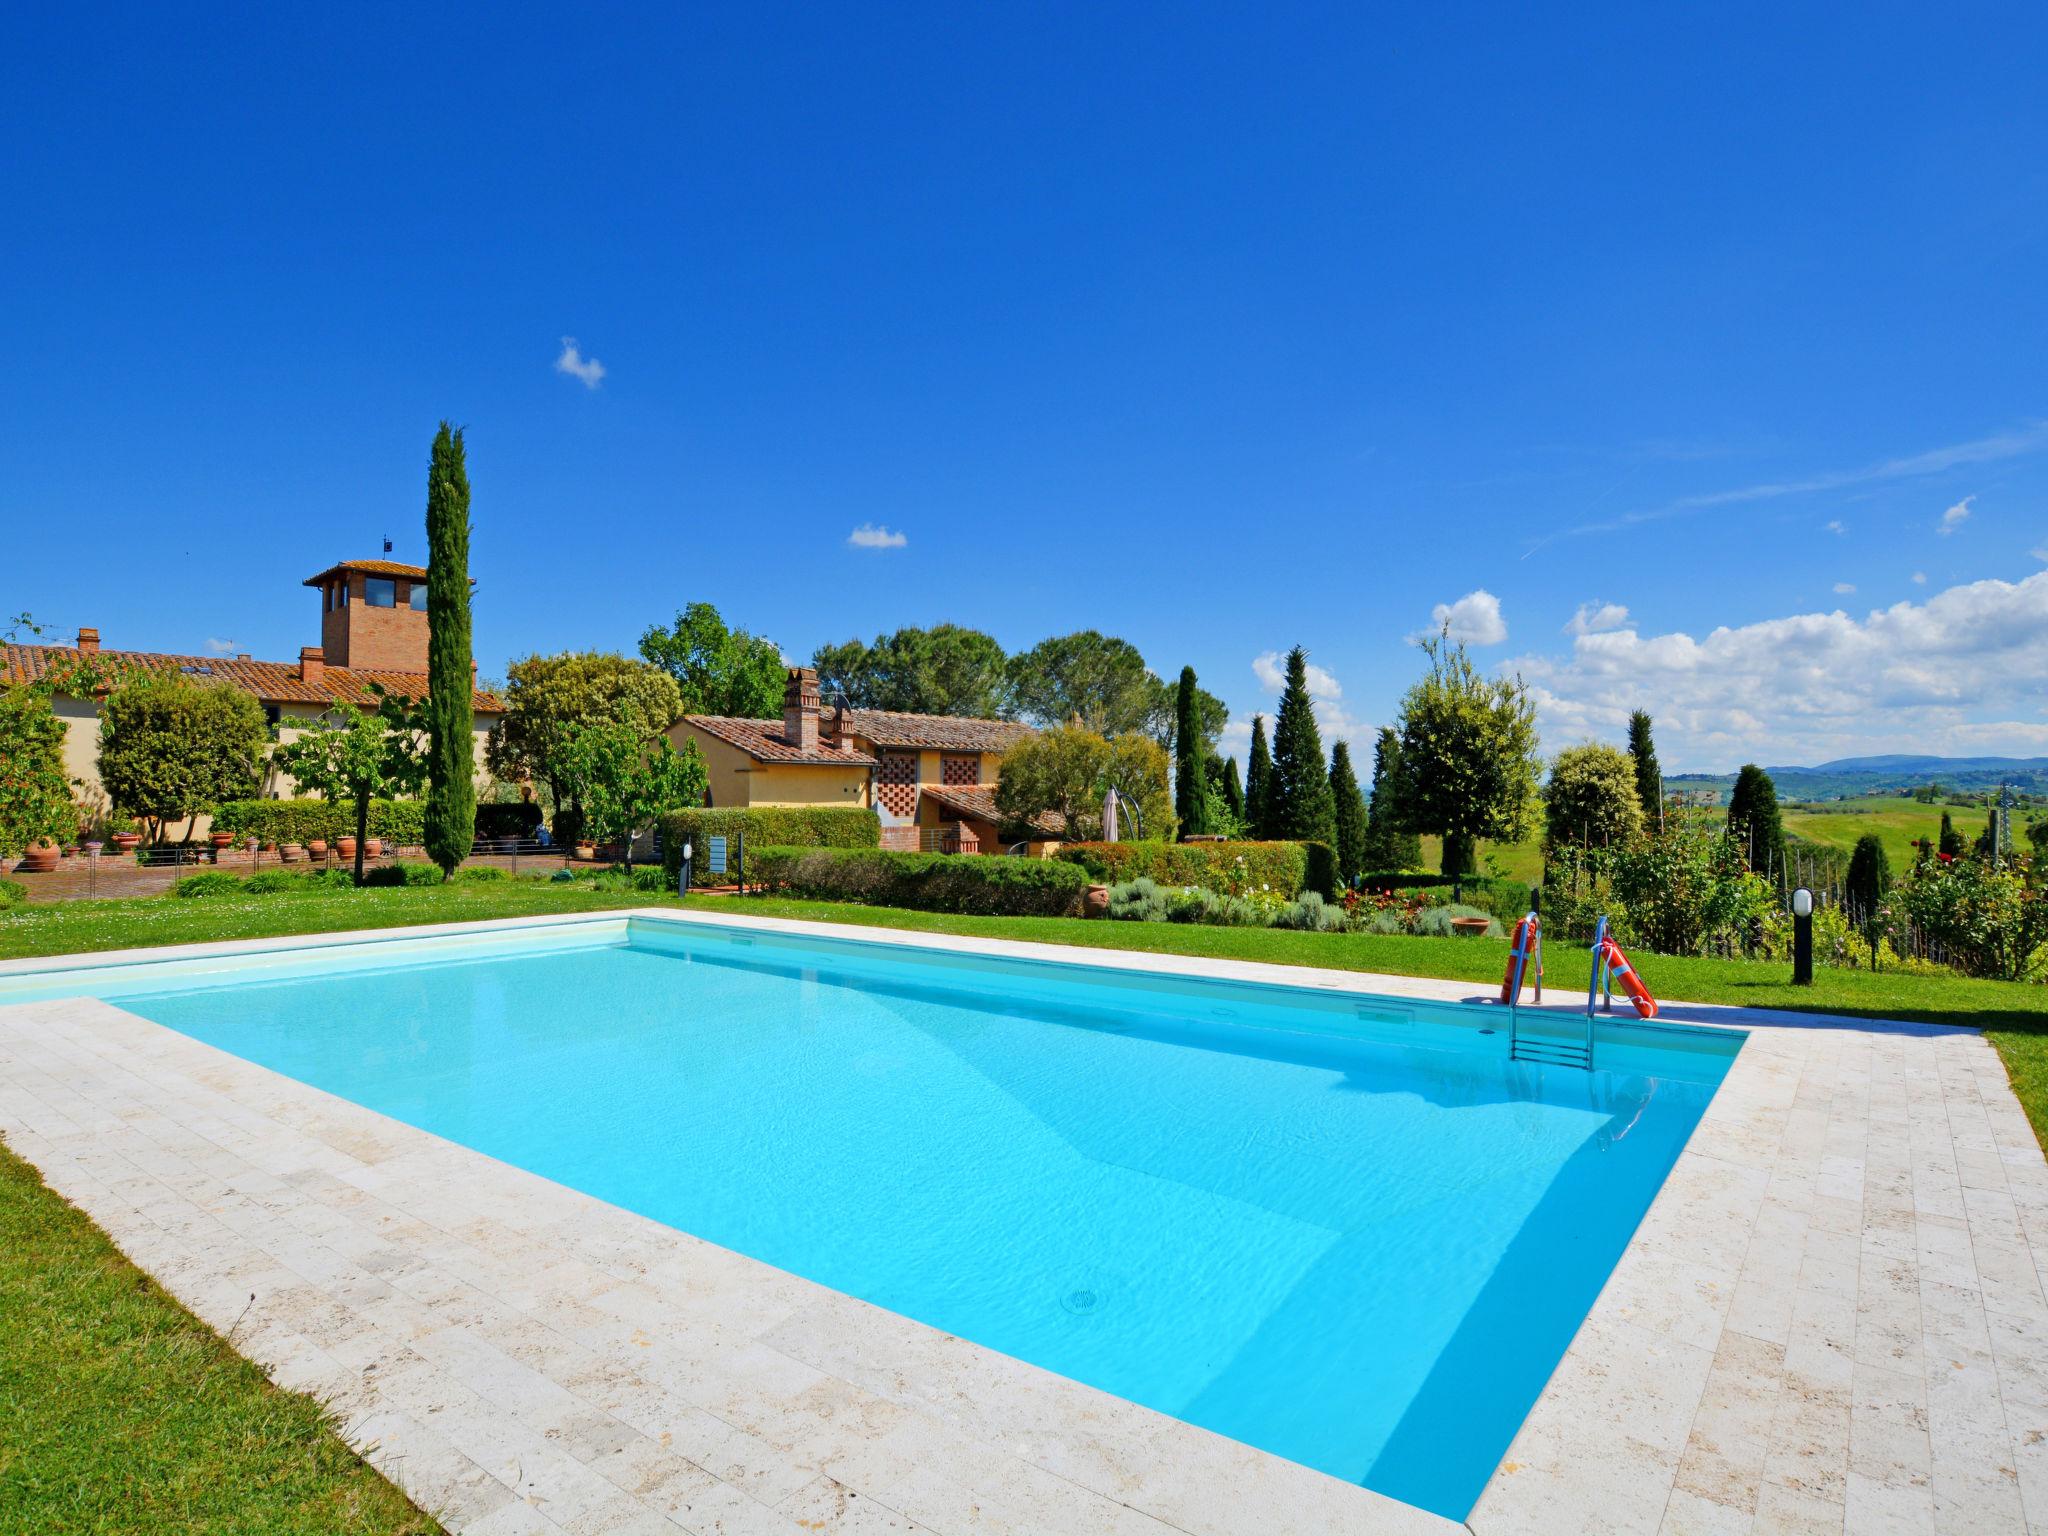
1987,919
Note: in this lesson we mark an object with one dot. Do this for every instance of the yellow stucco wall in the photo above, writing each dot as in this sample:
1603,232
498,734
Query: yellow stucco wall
735,780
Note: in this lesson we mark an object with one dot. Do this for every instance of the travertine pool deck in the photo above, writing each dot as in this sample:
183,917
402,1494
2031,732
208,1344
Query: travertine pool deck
1832,1318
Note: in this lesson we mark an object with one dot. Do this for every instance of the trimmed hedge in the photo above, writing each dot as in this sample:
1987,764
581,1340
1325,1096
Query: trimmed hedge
986,884
300,821
1287,869
767,826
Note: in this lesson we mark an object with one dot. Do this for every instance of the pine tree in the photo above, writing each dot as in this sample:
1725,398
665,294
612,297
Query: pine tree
1258,782
1649,777
1190,799
1350,813
1299,807
1233,790
451,761
1754,822
1388,845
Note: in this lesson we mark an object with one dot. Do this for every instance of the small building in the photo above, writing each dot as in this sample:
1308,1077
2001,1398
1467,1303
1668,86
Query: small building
931,778
373,630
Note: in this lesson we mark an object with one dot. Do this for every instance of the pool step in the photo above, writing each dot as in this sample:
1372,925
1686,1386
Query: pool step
1548,1052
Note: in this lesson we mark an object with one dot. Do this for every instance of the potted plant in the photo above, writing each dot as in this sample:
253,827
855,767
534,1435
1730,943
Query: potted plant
222,841
290,853
1471,927
125,839
586,850
39,858
345,847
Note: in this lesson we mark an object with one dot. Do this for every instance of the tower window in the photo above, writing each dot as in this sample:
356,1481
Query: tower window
380,592
419,597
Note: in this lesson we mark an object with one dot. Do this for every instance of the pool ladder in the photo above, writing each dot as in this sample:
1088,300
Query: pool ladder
1549,1050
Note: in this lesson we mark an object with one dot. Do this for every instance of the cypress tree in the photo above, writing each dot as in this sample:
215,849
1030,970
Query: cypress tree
1190,799
1951,840
1754,822
1299,806
1233,790
1869,877
1258,783
1351,819
1649,777
1389,846
451,720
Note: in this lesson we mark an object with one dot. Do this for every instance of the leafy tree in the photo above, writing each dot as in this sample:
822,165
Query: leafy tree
451,715
1469,762
1300,808
1981,914
1754,823
1590,800
1681,885
1258,784
946,670
717,671
35,792
623,783
547,695
1649,777
1190,794
1869,878
1388,844
1350,813
1233,790
1067,771
171,747
1951,841
1091,679
362,756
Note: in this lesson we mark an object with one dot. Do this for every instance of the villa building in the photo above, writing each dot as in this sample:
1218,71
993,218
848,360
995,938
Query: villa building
931,778
373,630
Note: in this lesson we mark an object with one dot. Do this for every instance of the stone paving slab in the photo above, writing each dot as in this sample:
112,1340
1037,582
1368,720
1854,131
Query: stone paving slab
1831,1319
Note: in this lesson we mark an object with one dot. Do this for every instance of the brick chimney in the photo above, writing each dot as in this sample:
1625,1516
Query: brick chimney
88,642
312,665
800,709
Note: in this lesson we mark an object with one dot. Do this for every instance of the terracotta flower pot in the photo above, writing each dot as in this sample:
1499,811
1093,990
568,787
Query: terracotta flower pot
345,846
290,853
221,840
127,842
39,858
586,850
1098,901
1470,927
317,846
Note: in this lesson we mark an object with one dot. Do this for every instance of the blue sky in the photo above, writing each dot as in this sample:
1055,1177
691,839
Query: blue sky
1268,325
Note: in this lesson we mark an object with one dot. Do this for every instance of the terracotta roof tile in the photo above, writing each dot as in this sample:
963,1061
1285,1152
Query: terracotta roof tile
274,682
958,733
370,568
762,740
979,804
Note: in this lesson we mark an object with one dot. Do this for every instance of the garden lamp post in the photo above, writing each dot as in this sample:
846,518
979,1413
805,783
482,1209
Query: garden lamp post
683,880
1802,937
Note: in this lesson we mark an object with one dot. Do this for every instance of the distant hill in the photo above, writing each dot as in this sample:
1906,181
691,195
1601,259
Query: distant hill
1847,778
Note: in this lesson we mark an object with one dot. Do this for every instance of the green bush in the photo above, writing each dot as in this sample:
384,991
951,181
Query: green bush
1229,868
403,874
271,881
763,827
479,874
986,884
1500,896
214,882
12,894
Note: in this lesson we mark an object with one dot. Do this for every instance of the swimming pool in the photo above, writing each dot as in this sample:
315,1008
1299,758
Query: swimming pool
1342,1228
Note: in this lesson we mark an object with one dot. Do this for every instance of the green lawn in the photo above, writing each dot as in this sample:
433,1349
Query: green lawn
1897,821
121,1412
2014,1016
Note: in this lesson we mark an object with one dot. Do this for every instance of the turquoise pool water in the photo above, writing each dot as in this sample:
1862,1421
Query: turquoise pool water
1344,1229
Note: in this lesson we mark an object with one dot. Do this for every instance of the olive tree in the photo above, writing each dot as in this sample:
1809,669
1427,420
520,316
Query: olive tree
361,756
1067,772
1591,799
1469,759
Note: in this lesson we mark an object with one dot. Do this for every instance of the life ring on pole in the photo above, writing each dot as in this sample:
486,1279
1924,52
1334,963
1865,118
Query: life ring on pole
1624,973
1519,954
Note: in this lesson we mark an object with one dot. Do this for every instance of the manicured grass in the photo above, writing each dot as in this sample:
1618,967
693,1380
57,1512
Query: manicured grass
2014,1017
121,1412
1895,820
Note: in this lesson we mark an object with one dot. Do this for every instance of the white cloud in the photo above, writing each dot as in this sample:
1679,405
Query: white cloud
1958,670
223,647
2040,552
1844,588
1270,667
1955,516
1474,618
1919,578
1836,526
876,536
577,366
1593,617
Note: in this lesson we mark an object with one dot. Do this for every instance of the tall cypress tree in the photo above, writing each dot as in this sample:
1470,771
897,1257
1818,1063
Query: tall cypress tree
1350,815
1388,845
1258,783
1299,807
1233,790
1649,777
1754,822
1951,840
1190,799
451,719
